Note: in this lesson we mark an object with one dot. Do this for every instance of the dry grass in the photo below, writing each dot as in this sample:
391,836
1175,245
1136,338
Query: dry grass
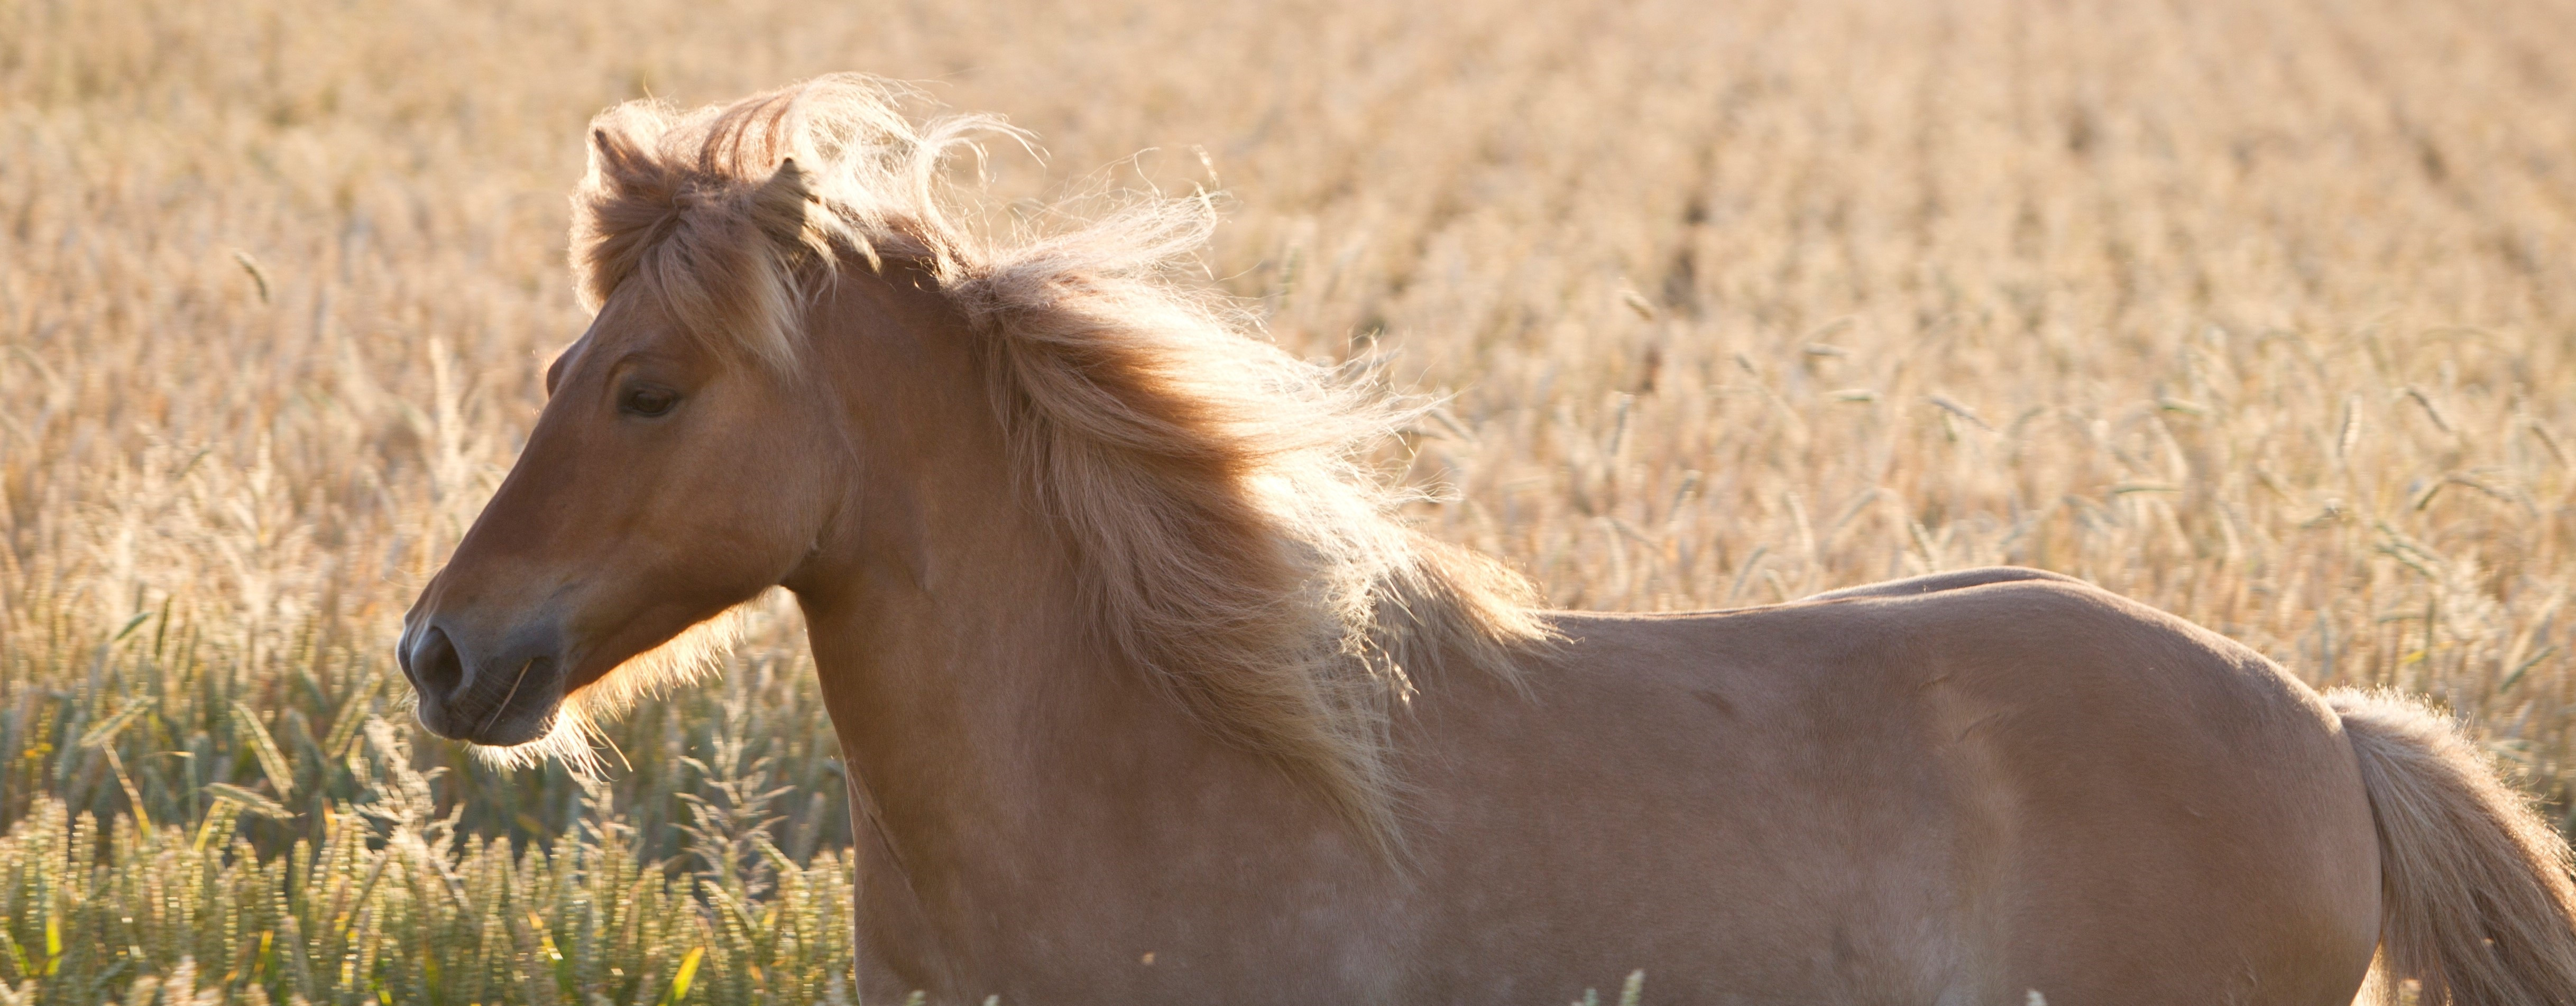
2262,313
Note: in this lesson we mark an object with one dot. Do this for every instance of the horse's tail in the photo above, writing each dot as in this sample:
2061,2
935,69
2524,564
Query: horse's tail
2476,903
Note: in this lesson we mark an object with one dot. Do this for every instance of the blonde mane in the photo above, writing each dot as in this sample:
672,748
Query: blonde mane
1232,538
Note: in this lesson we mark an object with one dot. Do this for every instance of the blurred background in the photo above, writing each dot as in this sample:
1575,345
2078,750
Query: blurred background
2261,313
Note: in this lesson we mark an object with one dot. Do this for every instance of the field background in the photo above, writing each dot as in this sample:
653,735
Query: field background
2261,313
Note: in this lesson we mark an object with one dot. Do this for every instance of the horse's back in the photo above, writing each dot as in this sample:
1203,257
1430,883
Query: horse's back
2008,782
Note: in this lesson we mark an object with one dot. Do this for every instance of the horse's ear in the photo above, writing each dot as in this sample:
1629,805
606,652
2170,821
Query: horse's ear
781,206
619,207
616,163
605,148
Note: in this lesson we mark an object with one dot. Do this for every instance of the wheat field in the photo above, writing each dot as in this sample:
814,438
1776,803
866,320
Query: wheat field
2260,313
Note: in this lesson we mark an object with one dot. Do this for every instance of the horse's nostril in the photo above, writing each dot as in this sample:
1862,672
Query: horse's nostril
434,666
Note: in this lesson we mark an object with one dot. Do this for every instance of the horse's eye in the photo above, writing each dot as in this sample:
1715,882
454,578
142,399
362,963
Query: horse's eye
647,401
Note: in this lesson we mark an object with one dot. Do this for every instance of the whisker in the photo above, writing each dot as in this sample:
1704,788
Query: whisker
513,693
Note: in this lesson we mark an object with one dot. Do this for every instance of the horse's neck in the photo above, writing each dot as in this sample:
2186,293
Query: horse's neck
999,747
967,693
1008,769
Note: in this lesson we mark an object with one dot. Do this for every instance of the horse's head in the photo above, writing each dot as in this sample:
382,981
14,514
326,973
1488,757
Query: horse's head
663,484
677,469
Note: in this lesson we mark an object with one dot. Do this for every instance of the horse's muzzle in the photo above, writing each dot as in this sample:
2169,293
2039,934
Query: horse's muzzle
504,697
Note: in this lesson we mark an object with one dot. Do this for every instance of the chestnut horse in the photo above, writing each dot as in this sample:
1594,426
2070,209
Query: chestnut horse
1148,696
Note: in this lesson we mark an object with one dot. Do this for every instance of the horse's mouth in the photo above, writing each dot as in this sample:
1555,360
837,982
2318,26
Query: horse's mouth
501,714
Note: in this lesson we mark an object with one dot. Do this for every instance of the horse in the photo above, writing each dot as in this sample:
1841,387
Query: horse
1149,694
